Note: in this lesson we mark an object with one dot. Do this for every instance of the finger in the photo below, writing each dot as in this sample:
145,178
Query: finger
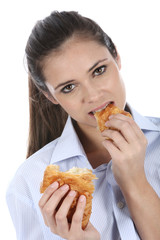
132,123
45,197
49,209
47,194
78,215
117,139
111,148
124,127
61,215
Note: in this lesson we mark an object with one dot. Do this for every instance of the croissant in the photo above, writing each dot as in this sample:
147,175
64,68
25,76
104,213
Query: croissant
79,180
103,116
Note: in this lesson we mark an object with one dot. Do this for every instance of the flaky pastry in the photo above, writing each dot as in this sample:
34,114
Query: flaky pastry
103,116
79,180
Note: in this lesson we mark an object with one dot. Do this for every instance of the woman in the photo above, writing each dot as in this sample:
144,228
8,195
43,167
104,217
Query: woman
74,70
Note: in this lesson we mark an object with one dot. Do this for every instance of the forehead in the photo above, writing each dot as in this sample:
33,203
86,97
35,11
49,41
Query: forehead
74,57
84,47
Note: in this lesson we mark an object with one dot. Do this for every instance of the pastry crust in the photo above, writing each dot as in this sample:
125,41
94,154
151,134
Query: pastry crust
79,180
103,116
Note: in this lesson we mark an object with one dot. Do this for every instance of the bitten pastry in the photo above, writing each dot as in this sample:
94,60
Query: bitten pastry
79,180
103,116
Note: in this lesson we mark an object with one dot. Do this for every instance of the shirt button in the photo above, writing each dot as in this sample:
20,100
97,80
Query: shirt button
120,205
111,167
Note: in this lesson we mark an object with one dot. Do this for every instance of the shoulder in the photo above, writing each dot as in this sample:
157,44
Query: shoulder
146,123
40,158
30,173
154,120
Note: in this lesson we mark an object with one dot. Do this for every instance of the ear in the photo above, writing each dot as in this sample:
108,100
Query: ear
50,97
118,60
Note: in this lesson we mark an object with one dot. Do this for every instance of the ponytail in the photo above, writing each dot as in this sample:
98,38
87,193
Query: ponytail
46,121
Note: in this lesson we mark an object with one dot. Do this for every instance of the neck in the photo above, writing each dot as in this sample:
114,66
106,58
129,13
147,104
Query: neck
91,140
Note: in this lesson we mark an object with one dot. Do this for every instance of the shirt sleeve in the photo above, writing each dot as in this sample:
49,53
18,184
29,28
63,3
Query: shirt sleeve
24,217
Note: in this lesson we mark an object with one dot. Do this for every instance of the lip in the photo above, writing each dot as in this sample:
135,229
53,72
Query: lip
100,107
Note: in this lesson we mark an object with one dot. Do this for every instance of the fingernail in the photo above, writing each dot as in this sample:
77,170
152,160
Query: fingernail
72,193
106,123
54,185
82,198
65,187
111,116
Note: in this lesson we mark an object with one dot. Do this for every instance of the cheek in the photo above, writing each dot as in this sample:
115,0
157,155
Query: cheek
68,105
116,81
121,85
69,102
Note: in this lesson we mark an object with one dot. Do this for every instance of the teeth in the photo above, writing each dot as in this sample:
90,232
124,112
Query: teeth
101,108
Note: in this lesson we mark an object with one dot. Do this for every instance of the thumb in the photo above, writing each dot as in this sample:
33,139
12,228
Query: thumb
91,231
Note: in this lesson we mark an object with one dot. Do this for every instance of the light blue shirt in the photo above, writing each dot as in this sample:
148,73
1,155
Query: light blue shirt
110,214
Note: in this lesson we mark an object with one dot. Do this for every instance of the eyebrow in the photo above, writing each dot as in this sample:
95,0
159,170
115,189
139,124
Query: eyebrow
71,81
97,63
64,83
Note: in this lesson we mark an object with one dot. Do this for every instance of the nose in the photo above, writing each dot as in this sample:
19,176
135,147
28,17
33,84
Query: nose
91,94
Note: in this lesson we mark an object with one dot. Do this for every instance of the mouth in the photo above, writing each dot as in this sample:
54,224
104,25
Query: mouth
100,108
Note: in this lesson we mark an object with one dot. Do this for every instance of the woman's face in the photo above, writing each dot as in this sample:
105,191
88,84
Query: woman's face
84,77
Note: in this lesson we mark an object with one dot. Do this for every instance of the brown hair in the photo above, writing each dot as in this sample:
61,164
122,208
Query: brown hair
46,119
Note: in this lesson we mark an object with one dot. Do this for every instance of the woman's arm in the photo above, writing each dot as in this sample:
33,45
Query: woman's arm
144,206
24,217
128,150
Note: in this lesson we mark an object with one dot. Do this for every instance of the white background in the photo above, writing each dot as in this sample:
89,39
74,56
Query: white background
134,26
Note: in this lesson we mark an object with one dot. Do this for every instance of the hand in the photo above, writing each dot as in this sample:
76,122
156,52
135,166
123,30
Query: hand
127,149
56,220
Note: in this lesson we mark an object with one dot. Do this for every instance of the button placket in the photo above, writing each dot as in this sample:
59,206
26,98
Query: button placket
120,210
119,199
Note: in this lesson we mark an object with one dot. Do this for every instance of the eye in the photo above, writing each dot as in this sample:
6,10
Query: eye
68,88
100,70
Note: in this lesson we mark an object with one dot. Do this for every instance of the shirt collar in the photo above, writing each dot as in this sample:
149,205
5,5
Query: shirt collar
145,123
68,144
